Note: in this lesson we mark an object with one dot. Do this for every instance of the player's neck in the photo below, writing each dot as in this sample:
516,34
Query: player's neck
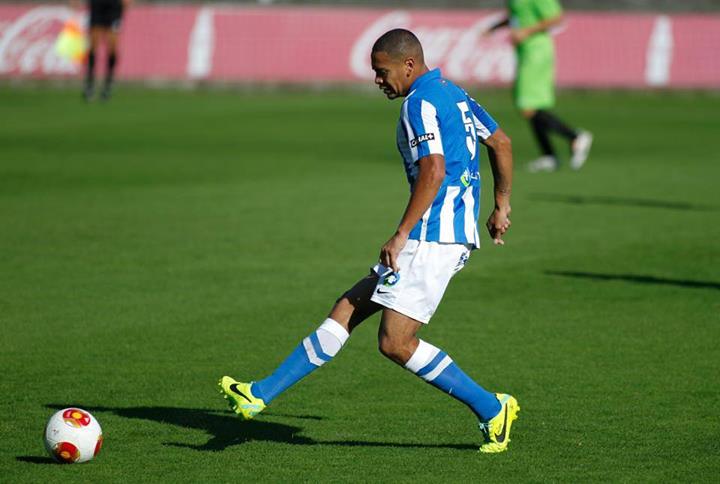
423,69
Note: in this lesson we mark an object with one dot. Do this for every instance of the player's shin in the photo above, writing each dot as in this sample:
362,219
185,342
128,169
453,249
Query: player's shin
313,352
110,72
542,135
437,368
89,75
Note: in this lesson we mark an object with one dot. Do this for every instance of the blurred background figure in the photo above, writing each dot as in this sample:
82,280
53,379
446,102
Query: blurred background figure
530,22
105,21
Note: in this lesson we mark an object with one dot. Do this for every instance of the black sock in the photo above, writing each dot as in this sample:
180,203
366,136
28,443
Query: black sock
555,124
540,130
111,61
90,72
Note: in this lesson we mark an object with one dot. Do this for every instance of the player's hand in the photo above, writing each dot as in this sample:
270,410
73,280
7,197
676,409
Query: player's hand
518,35
390,251
498,223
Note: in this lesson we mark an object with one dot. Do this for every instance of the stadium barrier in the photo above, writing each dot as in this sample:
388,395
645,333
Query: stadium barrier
314,44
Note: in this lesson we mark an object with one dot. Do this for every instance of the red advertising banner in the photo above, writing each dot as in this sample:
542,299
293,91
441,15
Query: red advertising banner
303,44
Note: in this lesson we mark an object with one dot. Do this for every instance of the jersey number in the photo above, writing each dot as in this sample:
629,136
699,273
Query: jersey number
471,139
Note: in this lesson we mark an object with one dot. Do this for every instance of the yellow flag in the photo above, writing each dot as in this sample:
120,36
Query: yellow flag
71,42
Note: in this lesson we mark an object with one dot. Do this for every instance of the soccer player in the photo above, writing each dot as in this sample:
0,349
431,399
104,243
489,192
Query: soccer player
439,135
105,20
534,92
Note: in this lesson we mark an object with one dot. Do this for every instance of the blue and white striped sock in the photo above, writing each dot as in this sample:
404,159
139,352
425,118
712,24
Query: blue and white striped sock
314,351
438,369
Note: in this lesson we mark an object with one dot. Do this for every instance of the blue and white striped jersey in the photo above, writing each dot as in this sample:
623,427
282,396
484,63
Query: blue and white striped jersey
438,117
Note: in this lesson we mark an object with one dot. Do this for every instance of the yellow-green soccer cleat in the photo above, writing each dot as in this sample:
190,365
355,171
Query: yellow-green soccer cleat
497,430
240,398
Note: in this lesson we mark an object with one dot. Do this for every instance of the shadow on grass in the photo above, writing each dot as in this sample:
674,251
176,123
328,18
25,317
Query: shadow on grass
227,430
618,201
638,279
33,459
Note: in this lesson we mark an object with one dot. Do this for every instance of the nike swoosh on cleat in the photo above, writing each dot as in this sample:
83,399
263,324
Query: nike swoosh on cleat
382,292
234,389
500,437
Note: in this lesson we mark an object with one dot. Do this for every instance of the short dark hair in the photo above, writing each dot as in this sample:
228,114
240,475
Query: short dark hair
399,43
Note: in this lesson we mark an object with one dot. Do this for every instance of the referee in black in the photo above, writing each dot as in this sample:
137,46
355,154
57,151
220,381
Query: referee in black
105,20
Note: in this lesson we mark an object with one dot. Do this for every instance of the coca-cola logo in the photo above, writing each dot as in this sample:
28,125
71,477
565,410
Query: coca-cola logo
27,43
463,53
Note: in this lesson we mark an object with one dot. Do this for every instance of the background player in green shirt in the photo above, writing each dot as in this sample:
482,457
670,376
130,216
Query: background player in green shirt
534,89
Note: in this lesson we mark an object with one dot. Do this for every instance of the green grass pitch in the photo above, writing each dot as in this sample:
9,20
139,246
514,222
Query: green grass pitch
150,245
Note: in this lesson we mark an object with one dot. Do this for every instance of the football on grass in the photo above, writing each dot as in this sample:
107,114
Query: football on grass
72,436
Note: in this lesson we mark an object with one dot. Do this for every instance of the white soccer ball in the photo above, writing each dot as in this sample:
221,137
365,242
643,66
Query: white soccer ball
73,435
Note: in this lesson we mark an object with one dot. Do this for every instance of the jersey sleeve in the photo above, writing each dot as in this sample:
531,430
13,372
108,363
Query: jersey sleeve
485,125
547,8
422,125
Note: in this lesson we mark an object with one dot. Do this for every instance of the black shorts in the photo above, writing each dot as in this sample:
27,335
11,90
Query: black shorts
106,13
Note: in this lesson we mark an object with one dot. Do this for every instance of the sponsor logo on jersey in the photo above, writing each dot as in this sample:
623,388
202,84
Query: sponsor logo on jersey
423,137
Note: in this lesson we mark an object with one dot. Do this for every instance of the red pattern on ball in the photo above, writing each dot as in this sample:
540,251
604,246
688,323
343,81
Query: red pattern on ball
70,416
66,452
98,445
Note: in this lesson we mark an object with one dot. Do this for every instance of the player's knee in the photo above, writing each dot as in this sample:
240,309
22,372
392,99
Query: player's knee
386,347
394,349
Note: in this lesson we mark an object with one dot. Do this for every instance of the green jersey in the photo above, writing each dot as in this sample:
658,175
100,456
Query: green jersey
526,13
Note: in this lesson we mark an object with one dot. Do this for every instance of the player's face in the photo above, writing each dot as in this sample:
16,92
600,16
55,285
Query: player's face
390,74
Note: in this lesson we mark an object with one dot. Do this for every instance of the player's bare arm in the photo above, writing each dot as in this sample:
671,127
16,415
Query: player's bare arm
429,181
520,34
500,155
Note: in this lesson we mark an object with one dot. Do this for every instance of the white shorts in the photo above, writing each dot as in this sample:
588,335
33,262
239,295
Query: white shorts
425,271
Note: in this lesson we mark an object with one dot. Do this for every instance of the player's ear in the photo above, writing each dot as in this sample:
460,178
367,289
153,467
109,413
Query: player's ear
409,66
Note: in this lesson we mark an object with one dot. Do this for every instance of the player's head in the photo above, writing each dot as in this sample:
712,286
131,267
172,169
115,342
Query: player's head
397,59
